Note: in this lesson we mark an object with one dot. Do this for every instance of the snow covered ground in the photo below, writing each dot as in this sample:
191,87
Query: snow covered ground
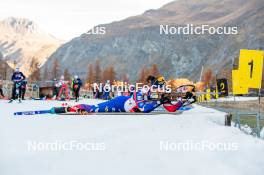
231,98
195,142
262,133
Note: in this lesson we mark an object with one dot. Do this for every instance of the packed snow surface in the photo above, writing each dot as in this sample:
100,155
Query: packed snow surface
235,99
124,144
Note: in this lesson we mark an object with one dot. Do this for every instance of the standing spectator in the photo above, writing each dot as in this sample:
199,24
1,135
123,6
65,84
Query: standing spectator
63,89
76,86
23,89
107,89
56,88
1,88
17,79
96,92
131,91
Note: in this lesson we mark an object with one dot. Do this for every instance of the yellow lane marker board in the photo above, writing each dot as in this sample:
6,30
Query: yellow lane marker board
250,65
249,73
238,83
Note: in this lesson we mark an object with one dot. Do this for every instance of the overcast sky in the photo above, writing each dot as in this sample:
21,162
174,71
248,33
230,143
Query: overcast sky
66,19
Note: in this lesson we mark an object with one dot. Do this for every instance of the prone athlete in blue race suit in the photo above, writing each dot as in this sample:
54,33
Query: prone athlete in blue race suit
119,104
134,103
122,104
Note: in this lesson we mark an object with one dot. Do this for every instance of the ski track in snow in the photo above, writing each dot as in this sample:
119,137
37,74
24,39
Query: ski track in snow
132,143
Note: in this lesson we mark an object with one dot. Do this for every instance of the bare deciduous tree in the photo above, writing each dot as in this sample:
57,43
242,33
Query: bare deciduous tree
97,72
55,71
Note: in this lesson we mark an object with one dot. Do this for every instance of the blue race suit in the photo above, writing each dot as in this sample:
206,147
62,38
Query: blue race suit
122,104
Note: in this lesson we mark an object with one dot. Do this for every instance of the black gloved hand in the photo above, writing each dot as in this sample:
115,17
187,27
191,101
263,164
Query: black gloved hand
188,95
164,99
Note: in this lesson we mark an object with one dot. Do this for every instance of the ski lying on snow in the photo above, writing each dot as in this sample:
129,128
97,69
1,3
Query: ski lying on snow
101,113
156,112
126,113
33,112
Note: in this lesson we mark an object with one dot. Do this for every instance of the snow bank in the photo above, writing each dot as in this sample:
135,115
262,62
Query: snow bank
246,129
210,114
128,144
262,133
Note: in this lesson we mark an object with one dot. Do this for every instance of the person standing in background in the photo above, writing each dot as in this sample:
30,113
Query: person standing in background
76,86
23,89
1,88
63,89
56,88
17,78
107,89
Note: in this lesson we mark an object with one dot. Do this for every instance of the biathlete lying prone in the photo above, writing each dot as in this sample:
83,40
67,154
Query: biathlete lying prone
124,104
134,103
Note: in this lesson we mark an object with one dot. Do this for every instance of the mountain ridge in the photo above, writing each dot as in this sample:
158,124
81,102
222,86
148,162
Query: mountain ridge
22,40
131,43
